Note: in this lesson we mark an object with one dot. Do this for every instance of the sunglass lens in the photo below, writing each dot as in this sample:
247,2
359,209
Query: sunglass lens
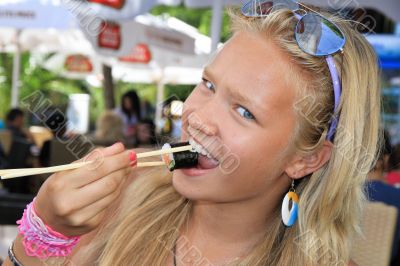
318,36
259,8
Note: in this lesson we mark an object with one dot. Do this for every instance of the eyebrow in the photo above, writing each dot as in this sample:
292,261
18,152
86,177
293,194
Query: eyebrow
235,94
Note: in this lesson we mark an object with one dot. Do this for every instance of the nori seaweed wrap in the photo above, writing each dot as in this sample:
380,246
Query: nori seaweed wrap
178,160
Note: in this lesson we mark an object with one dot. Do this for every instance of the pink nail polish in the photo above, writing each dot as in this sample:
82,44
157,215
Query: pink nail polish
132,157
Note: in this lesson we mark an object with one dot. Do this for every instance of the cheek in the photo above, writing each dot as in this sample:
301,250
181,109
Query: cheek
194,99
260,152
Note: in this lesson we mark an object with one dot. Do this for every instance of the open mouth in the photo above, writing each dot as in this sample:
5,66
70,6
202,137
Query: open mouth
206,159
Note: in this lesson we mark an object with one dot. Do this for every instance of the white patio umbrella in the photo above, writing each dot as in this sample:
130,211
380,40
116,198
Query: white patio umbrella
17,16
117,39
129,9
390,8
187,70
117,10
167,66
44,40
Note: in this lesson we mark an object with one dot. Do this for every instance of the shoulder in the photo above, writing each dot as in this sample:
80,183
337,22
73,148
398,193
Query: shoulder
118,111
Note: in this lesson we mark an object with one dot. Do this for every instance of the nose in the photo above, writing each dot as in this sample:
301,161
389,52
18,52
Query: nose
202,118
202,123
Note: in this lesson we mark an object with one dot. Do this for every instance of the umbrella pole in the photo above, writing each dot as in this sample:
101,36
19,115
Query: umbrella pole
160,105
108,90
16,73
216,23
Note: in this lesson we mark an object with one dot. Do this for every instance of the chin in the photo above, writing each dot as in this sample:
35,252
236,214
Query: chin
193,188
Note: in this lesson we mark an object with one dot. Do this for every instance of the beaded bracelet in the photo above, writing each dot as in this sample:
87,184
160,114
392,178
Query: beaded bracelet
40,240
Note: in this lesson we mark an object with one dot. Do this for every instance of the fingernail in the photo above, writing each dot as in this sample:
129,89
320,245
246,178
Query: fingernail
133,164
117,144
132,157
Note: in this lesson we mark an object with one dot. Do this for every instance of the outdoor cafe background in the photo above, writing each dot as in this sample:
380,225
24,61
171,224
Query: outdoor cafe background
84,55
53,46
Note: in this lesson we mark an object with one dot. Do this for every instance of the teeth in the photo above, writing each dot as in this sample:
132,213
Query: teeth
200,149
191,142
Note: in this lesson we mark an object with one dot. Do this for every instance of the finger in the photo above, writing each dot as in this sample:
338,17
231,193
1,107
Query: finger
105,152
89,225
86,175
100,188
101,152
98,155
87,213
95,221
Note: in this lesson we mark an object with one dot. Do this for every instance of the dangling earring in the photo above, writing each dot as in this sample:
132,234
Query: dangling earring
289,216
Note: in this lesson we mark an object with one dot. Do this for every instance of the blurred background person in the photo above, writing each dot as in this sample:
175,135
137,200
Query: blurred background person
147,110
130,113
22,152
378,190
110,129
57,124
166,126
145,134
171,121
15,124
3,158
393,175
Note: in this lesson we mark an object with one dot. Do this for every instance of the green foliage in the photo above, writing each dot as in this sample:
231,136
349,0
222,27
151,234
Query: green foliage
181,92
198,18
34,78
57,89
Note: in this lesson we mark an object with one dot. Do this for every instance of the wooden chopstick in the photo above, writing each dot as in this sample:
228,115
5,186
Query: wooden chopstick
38,171
43,170
12,173
160,152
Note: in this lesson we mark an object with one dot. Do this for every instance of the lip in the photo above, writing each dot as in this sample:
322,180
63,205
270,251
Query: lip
194,171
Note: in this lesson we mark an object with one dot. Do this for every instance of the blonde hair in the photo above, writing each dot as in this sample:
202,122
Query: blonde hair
109,127
331,199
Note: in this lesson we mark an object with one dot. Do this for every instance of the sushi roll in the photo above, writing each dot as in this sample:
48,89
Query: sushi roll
178,160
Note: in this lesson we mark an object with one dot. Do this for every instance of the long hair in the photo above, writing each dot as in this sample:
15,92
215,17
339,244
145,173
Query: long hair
109,127
331,199
135,104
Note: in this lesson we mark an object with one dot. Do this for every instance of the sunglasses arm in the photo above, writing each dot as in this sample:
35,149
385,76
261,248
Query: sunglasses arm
337,94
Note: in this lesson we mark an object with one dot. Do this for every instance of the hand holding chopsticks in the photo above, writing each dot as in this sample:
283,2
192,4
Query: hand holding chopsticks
13,173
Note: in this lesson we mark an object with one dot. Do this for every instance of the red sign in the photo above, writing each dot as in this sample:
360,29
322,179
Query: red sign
140,54
78,63
110,35
117,4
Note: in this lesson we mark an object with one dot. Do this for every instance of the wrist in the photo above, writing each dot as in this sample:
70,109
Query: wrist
40,240
12,256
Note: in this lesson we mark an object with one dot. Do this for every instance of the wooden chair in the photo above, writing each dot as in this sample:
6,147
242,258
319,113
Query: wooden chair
18,157
67,152
6,140
374,247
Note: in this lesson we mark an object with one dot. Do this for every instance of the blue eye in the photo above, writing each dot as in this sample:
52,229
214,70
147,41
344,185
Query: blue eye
208,84
245,113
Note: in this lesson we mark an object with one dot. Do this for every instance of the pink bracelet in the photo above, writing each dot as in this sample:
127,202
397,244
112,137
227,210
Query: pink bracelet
40,240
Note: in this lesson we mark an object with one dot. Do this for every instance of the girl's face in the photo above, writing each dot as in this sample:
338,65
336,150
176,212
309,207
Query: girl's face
127,103
242,114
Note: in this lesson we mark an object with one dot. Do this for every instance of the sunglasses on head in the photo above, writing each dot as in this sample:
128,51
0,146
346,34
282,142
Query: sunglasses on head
314,34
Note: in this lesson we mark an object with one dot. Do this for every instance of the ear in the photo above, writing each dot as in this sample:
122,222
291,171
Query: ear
303,165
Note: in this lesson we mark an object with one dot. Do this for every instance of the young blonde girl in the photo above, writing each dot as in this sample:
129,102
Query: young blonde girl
270,104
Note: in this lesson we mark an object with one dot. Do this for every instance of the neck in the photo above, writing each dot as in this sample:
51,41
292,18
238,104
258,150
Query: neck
230,222
228,230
